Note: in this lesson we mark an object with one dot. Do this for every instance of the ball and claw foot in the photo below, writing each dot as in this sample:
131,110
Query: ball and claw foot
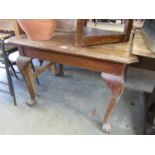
31,102
106,127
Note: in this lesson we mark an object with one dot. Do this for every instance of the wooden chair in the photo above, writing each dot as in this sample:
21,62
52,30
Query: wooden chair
11,26
4,59
7,28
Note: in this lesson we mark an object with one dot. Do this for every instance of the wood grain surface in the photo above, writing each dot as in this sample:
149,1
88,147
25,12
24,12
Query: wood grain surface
64,43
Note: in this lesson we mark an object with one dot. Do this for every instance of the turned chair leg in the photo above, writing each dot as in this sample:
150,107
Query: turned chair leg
116,84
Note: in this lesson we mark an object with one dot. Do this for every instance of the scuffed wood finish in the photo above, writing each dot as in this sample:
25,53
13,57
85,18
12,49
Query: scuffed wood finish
89,36
139,47
112,72
116,84
108,59
64,43
78,61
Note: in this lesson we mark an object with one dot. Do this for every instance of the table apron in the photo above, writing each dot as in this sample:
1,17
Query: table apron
75,60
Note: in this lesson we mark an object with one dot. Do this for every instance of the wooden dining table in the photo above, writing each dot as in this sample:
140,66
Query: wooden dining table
111,60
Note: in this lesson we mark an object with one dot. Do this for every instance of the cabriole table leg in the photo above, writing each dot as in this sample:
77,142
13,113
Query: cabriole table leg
24,65
116,84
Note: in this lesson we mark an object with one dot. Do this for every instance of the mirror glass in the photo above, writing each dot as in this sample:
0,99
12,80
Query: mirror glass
99,27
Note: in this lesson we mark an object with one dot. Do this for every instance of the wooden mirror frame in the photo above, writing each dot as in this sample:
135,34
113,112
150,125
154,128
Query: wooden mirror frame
81,39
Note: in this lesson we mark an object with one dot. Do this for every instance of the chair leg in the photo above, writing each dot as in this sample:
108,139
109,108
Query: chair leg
13,70
9,78
41,62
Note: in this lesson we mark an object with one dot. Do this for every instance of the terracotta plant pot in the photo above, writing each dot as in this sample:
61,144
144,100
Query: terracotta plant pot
38,29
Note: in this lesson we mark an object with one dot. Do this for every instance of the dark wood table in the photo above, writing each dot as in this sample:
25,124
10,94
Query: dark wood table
111,60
